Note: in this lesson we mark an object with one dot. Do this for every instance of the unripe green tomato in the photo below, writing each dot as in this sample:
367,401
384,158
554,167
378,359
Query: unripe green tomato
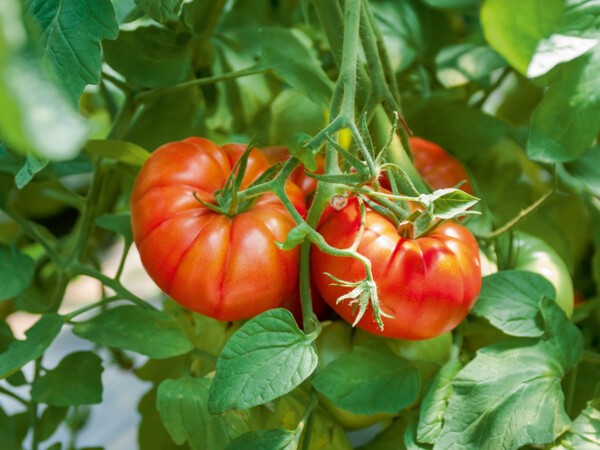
33,202
534,255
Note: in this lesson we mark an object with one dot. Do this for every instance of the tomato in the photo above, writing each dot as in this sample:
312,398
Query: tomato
534,255
427,284
437,167
228,268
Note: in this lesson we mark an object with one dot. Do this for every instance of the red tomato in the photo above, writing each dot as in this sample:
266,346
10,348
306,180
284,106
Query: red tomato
437,167
428,284
228,268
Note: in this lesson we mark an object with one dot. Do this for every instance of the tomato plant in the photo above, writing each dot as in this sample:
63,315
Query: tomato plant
426,285
230,256
397,137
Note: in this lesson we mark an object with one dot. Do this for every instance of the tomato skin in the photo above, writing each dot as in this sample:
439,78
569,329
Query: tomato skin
438,167
534,255
228,268
428,284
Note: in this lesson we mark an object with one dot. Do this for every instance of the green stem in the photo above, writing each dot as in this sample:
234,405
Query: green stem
146,96
33,409
123,86
115,285
84,309
570,394
306,424
34,231
14,396
123,260
213,21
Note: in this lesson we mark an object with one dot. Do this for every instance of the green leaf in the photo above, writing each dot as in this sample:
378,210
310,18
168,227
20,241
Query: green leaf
435,403
145,331
51,419
463,131
13,429
565,123
6,336
277,439
511,300
34,115
77,380
123,151
39,338
150,56
584,432
170,117
514,27
250,358
161,10
16,271
120,223
586,170
291,113
390,437
351,380
557,49
71,35
514,381
460,64
182,405
151,432
452,4
30,168
448,203
291,57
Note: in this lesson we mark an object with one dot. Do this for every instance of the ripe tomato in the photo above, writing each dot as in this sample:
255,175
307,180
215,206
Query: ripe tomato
427,284
437,167
535,255
228,268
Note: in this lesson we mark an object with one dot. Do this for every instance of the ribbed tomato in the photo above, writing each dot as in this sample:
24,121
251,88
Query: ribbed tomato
225,267
427,284
438,167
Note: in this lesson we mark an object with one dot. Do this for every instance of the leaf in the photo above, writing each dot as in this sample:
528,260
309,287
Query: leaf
123,151
463,131
586,170
145,331
511,300
30,168
390,437
565,123
435,403
16,271
34,115
182,405
251,370
77,380
557,49
161,10
39,338
277,439
351,380
500,402
292,112
291,58
51,419
514,27
150,56
120,223
452,4
448,203
71,35
584,432
151,432
13,429
460,64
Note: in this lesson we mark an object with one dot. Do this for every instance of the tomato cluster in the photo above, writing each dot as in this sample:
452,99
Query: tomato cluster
223,261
